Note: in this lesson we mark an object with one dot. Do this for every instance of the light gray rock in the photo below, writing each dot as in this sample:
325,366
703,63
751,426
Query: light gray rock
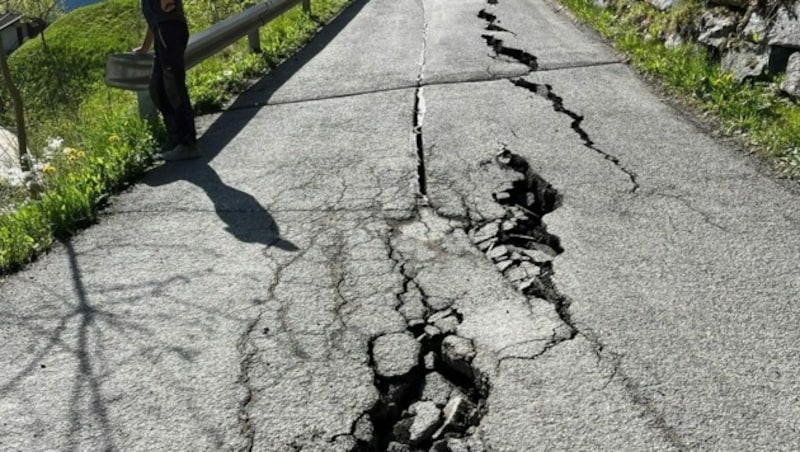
503,265
427,418
673,40
756,28
785,30
437,389
395,354
663,5
475,443
791,85
430,361
446,321
522,272
457,354
497,253
363,429
450,445
432,331
538,255
716,27
746,62
398,447
485,232
457,414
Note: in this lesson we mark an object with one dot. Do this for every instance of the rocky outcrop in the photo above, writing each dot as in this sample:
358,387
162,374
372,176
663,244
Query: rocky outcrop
785,29
753,39
791,85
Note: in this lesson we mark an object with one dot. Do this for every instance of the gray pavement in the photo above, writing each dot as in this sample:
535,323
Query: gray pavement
420,234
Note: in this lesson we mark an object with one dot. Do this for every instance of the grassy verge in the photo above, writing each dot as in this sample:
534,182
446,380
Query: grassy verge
87,138
768,123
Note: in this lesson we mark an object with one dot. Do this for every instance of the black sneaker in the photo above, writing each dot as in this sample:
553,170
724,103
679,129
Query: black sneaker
182,152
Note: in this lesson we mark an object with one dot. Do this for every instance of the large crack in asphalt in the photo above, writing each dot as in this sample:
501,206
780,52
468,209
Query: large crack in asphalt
546,91
519,243
521,239
430,396
419,110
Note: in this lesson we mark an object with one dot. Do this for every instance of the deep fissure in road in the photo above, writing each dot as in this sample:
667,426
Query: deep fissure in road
492,22
518,55
519,243
436,402
546,91
419,112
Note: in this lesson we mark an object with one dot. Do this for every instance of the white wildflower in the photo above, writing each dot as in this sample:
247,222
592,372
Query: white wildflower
54,144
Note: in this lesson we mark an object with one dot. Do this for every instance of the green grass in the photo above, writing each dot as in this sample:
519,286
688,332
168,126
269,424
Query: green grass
769,123
106,144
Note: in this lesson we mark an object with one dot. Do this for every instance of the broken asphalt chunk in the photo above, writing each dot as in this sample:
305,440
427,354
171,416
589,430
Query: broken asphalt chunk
457,354
395,354
437,389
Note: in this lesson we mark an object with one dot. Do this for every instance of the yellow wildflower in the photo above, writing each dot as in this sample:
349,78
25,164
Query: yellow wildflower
48,169
73,154
114,138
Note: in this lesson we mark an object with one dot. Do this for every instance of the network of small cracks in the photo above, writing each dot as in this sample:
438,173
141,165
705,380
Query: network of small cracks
248,351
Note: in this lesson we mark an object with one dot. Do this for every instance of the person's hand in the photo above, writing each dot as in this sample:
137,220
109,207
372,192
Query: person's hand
167,5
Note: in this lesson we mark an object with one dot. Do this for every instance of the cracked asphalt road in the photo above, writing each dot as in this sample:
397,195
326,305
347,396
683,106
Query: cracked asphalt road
444,225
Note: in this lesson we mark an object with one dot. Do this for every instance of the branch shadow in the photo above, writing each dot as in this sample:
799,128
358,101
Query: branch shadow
77,337
86,378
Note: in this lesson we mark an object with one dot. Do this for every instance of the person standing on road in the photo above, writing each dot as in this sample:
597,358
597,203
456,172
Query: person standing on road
167,28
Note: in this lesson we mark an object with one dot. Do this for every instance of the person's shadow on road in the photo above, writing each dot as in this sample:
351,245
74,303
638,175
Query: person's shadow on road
245,218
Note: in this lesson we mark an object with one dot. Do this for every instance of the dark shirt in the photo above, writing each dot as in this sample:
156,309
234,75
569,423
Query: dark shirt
151,9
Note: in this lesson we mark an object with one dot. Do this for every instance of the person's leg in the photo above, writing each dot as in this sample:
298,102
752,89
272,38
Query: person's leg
159,96
174,36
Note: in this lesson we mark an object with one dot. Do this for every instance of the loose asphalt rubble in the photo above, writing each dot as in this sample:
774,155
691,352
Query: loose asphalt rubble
442,226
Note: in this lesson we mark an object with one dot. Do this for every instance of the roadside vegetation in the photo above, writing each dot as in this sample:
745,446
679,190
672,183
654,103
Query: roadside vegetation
755,112
86,140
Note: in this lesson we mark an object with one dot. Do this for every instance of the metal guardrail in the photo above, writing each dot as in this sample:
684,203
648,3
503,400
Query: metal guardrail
132,72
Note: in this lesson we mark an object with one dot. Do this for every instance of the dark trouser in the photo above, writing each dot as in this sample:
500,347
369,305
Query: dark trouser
168,82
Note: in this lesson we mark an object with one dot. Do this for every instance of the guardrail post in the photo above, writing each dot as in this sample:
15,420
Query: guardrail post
254,41
307,6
